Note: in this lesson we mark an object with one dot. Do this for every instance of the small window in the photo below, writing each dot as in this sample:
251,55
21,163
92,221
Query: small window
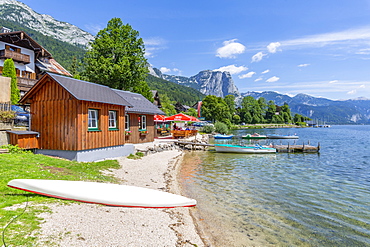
112,120
93,119
142,122
127,122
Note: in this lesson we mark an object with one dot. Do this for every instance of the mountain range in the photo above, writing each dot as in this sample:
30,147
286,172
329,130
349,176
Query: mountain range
207,82
19,12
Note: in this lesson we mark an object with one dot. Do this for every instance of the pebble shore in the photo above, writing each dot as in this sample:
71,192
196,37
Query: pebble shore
82,224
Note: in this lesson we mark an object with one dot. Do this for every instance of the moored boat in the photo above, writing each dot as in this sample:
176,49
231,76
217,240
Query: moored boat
254,136
283,137
220,136
231,148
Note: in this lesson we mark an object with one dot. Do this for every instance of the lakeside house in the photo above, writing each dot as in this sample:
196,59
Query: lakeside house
139,119
84,121
31,60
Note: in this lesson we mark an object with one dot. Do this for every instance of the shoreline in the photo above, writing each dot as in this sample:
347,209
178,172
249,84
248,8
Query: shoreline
82,224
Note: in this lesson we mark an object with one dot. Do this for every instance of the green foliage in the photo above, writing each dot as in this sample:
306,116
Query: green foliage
28,165
270,112
9,71
236,119
192,112
7,116
215,109
221,128
167,105
175,92
136,156
230,102
15,149
258,111
208,129
116,59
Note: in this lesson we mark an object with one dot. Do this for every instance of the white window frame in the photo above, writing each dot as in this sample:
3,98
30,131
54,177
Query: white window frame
127,122
112,119
93,119
142,122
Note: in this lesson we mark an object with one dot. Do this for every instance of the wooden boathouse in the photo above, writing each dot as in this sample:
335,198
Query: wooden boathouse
82,121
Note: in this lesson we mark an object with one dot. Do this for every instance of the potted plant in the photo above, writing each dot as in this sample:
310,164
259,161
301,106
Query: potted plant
128,132
143,132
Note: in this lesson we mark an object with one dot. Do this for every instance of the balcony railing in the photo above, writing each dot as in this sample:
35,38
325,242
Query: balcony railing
16,56
26,81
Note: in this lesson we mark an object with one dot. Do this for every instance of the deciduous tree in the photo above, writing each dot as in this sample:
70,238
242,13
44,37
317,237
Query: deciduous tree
116,59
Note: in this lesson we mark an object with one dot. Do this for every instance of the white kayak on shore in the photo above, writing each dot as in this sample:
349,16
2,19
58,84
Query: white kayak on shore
103,193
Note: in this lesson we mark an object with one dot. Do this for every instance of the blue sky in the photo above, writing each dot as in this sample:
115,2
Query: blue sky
316,47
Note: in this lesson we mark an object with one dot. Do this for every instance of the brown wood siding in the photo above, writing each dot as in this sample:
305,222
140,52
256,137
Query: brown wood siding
62,120
135,136
24,141
54,113
104,137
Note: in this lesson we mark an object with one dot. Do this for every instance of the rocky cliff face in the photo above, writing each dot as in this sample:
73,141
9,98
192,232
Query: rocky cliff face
15,11
215,83
207,82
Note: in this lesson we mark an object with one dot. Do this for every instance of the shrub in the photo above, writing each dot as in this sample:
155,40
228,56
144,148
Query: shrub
6,116
221,128
208,129
15,149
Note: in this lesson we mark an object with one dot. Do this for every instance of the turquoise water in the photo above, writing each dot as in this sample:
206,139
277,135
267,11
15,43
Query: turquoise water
286,199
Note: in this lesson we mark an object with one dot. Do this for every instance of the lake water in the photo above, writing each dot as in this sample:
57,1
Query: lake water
285,199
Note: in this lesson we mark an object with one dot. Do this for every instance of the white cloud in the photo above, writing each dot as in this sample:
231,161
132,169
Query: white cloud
266,71
232,69
165,70
258,79
248,75
362,86
272,47
273,79
258,57
152,45
333,81
230,49
346,36
352,92
304,65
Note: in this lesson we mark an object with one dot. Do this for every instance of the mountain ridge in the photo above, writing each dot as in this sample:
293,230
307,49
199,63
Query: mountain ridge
21,13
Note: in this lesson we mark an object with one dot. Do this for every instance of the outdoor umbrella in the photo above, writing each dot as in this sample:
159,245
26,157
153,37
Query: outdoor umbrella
182,117
159,118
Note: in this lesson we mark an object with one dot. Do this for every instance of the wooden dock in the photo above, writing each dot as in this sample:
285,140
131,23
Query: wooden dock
280,148
297,148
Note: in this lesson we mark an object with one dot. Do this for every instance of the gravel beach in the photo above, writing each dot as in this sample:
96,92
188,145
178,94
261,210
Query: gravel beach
82,224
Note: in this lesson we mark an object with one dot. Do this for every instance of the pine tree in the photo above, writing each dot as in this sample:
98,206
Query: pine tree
9,71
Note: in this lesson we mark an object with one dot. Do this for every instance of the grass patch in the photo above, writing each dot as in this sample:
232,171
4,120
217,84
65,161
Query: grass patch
30,166
136,156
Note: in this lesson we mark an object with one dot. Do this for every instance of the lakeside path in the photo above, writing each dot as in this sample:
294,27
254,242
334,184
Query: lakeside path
82,224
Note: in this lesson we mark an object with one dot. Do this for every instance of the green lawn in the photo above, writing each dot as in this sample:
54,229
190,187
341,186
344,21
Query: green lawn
28,165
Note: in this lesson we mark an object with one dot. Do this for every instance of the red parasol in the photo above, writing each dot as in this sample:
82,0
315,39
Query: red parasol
182,117
159,118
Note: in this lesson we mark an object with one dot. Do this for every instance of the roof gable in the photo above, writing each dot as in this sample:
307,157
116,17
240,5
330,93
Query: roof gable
139,102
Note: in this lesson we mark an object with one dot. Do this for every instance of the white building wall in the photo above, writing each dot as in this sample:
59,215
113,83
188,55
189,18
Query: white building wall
27,67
